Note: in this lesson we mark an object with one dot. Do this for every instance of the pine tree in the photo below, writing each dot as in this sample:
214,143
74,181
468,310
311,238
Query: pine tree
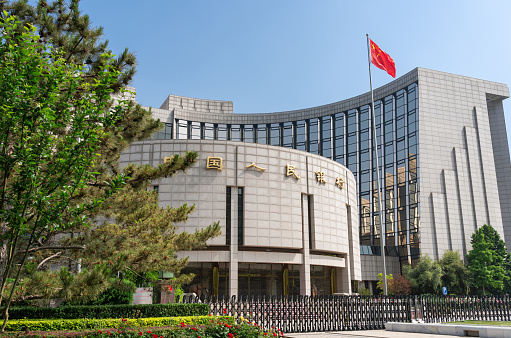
61,25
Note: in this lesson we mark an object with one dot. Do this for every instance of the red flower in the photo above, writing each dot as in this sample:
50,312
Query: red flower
274,334
140,333
210,314
109,333
182,324
149,332
225,311
227,325
194,329
230,335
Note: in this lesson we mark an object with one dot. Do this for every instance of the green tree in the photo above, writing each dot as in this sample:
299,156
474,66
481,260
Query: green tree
379,284
455,275
425,277
61,25
487,260
52,121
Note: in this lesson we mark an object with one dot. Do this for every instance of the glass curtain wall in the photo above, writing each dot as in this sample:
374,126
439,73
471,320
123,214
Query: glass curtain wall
347,138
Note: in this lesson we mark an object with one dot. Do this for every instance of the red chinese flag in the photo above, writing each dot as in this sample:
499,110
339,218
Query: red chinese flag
382,60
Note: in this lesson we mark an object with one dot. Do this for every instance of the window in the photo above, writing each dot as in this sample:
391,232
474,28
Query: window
209,131
165,133
326,136
287,134
261,134
313,136
310,220
228,216
301,135
248,133
221,132
182,129
352,142
339,137
195,132
235,132
352,120
275,134
240,216
365,117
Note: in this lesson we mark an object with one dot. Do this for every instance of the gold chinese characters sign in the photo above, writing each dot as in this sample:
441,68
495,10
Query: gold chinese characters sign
256,167
290,170
214,163
339,182
320,176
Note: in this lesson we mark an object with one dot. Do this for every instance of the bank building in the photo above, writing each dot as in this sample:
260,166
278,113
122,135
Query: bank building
295,192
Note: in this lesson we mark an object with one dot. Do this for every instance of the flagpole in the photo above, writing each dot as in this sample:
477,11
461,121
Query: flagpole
375,144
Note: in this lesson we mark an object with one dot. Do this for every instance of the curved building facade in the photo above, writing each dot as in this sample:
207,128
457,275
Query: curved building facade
443,151
289,218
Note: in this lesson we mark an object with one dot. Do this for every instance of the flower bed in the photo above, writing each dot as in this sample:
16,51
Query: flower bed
87,323
209,327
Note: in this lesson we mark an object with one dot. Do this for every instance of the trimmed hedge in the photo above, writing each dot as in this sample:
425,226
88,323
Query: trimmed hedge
85,323
110,311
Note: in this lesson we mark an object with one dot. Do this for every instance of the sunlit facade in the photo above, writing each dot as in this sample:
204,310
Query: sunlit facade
443,152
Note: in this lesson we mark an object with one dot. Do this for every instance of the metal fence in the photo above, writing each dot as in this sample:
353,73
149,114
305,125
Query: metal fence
342,313
439,309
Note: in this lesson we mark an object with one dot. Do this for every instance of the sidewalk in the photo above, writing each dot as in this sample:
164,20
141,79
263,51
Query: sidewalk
364,333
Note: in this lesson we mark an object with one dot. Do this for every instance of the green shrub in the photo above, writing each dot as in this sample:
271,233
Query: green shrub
86,323
121,292
110,311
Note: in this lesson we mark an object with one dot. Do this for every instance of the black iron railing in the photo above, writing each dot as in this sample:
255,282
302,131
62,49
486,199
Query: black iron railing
440,309
342,313
314,314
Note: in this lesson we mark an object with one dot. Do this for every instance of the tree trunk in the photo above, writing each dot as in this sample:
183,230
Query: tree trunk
3,252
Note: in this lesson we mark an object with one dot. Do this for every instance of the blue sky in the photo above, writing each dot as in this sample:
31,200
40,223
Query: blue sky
278,55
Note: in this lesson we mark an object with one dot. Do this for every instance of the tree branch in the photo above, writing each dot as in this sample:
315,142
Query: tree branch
47,259
54,247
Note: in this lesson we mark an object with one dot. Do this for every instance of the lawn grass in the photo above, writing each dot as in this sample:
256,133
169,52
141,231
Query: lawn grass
481,322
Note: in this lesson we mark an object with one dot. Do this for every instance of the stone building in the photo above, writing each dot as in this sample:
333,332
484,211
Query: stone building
445,166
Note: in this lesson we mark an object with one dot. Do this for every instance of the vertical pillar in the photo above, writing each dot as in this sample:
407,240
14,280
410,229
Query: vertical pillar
233,264
345,276
339,279
305,279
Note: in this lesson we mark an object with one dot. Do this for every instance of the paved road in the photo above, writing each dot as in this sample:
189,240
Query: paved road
364,334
